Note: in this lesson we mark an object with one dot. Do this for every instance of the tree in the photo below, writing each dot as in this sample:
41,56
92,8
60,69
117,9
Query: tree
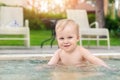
112,8
100,13
106,7
2,4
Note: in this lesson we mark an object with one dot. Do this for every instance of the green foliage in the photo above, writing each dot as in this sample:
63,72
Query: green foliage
113,25
35,22
2,4
111,1
40,21
91,17
51,15
47,17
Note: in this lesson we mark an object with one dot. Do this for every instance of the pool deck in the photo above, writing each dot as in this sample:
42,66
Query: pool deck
46,51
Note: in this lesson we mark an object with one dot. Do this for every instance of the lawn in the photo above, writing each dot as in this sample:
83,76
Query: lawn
37,36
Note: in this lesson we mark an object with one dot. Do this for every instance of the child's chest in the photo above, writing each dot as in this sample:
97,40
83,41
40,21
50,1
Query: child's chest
71,59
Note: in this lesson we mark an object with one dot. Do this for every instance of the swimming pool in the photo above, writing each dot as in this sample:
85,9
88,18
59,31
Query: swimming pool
24,67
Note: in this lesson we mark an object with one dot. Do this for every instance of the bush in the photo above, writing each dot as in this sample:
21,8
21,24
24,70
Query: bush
91,17
35,22
40,21
111,24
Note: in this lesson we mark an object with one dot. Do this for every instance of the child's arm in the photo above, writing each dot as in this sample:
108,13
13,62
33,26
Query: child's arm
93,59
55,58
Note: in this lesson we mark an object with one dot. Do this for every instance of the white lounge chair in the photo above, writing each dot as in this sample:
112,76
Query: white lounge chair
12,23
86,32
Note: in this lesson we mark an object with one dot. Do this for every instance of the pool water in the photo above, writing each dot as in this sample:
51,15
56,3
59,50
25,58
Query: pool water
27,70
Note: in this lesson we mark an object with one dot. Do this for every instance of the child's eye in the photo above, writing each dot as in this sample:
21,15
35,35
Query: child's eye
70,37
61,38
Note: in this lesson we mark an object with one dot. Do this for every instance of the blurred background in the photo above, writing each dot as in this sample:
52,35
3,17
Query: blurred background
41,12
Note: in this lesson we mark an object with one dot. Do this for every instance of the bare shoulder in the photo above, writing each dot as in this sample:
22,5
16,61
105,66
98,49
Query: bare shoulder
57,52
84,50
55,58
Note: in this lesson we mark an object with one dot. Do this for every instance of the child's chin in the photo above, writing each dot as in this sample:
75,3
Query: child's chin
68,50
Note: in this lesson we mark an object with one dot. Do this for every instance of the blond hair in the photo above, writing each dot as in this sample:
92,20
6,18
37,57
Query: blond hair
61,24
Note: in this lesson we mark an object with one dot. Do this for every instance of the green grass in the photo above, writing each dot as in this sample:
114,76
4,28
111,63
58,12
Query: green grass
37,36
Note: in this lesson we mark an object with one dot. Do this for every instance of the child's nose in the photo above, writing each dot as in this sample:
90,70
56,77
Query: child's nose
65,41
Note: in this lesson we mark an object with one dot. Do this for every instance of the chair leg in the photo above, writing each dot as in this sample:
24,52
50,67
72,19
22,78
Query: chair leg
108,42
88,42
98,41
27,40
80,42
28,43
52,41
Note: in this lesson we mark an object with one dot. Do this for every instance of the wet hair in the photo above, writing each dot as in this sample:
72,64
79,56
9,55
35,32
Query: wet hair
61,24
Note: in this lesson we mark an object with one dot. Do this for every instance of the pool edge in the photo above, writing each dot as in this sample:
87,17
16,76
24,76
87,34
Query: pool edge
46,56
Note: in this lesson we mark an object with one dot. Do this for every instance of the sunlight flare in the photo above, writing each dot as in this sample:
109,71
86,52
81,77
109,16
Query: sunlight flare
47,5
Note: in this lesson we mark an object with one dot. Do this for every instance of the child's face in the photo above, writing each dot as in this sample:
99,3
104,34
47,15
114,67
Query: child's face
67,38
